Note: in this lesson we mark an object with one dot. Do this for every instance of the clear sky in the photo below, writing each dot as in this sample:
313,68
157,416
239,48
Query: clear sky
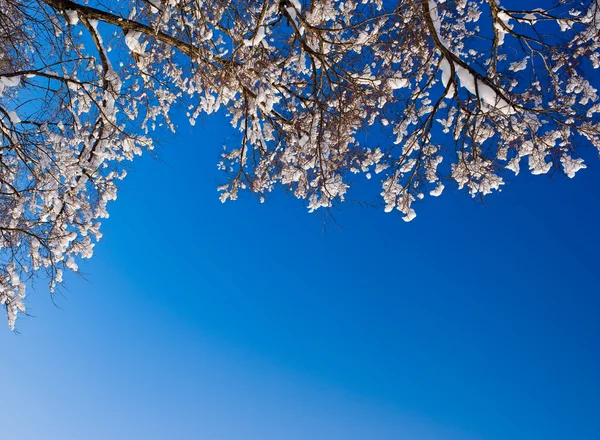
244,321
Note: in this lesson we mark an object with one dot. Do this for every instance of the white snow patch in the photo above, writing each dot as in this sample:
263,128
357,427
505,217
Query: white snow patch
519,65
446,73
571,166
9,81
260,35
410,215
132,39
438,190
14,118
397,83
72,17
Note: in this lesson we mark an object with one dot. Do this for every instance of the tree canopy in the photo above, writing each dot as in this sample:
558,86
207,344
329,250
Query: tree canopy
465,91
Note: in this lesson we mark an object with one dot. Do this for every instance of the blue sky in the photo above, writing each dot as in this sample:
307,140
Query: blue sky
199,320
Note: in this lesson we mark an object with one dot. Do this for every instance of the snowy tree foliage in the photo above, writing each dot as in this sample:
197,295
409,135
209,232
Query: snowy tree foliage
464,91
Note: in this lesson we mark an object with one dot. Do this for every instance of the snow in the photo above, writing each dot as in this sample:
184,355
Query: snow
446,71
571,166
437,22
255,41
72,17
504,18
565,25
513,165
438,190
489,96
519,65
398,83
14,118
467,80
9,81
154,6
410,216
132,40
500,32
485,92
446,74
292,12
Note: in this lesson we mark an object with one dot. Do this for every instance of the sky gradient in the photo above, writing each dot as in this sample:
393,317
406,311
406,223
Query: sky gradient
198,320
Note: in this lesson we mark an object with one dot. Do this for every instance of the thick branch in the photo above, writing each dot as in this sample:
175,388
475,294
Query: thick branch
125,24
